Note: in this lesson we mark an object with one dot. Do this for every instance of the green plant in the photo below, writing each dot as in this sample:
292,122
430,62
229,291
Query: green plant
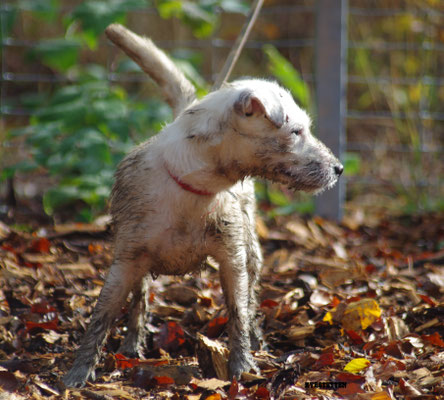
81,134
201,15
289,76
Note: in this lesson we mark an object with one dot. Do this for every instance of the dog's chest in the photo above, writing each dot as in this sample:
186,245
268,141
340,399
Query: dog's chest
180,249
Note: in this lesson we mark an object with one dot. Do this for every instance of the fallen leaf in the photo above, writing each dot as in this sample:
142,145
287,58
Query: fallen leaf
41,245
8,381
180,374
95,248
299,332
4,231
355,337
84,269
213,396
357,365
42,307
233,390
360,314
181,294
394,350
171,336
262,393
407,389
351,389
434,339
212,357
216,326
50,325
427,300
164,380
325,359
211,384
349,377
122,362
269,303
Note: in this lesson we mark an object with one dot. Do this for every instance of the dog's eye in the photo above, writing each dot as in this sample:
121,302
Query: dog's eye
248,114
297,132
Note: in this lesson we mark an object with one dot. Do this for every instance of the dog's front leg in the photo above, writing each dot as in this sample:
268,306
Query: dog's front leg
254,266
112,297
235,285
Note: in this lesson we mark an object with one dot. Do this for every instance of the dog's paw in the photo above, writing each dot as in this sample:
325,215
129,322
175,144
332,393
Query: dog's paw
131,349
77,377
241,362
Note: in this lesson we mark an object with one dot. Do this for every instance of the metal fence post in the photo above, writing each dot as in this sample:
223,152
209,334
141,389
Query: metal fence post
331,50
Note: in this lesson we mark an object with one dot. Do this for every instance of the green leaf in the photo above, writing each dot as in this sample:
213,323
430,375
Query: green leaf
59,54
202,19
193,75
278,198
169,8
71,112
25,166
7,20
128,66
352,164
235,6
44,9
96,15
108,109
290,78
58,196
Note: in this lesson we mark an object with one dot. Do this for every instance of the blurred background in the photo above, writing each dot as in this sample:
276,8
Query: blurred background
72,105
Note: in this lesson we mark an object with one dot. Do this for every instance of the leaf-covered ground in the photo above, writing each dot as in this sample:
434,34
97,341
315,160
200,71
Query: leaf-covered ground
350,311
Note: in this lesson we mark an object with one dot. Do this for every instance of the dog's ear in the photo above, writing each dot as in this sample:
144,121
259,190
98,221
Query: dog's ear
266,104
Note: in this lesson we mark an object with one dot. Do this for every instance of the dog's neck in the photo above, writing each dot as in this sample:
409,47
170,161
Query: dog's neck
186,186
192,167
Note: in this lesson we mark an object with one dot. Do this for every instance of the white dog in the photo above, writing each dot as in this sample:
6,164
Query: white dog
187,193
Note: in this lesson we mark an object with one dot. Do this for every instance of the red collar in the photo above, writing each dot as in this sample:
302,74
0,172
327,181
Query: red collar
187,187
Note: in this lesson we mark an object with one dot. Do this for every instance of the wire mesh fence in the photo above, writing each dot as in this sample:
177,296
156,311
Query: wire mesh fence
394,83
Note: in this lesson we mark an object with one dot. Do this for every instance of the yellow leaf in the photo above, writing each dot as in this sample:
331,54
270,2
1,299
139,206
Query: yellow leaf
357,365
328,318
360,314
381,396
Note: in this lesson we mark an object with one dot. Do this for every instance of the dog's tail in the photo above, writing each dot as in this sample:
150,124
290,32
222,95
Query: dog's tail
178,91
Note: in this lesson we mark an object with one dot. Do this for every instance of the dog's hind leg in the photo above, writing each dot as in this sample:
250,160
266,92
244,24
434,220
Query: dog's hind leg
114,293
135,338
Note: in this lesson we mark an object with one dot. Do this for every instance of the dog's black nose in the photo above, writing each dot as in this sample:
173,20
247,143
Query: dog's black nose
339,169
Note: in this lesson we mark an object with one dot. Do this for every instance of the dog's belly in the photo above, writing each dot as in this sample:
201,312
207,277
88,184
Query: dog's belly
177,253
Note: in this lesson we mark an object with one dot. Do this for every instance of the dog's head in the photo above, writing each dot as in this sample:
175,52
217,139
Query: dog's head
254,128
271,138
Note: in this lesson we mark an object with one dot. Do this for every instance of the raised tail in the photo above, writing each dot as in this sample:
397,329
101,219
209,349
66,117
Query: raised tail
178,91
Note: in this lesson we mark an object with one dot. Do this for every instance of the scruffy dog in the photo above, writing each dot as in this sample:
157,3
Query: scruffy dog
187,193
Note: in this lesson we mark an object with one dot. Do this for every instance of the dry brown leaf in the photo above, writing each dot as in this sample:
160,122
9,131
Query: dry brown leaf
4,231
261,228
39,258
181,374
296,333
181,294
212,356
64,229
210,384
396,328
84,269
168,311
